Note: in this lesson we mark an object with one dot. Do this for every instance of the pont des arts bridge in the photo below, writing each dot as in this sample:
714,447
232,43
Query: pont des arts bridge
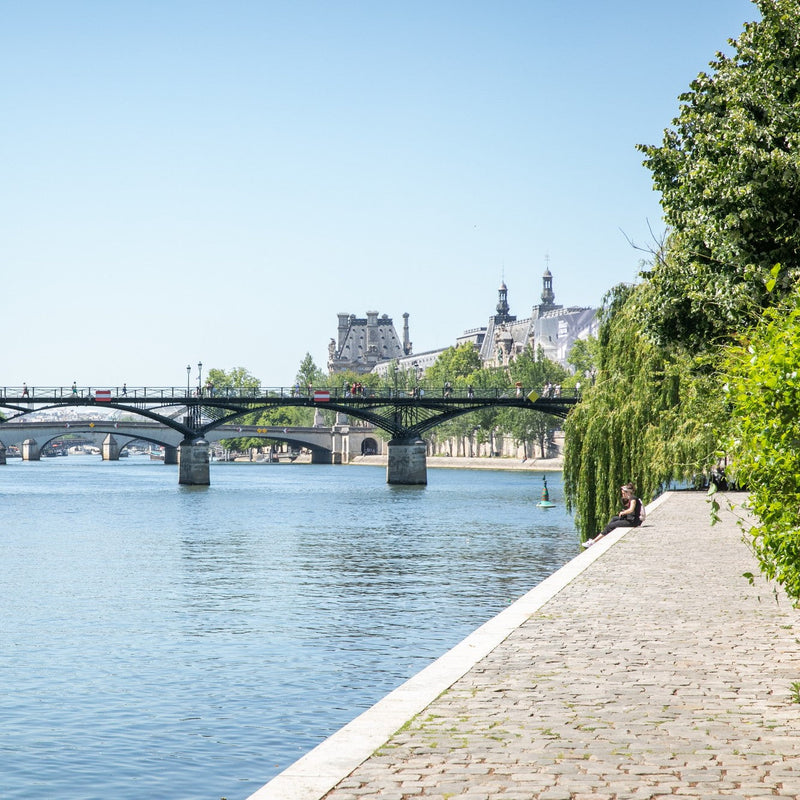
187,420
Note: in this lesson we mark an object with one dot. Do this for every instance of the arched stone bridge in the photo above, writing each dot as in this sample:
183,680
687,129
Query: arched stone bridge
328,444
193,415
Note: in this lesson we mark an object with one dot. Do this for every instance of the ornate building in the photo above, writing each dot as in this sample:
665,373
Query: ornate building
363,343
372,344
550,326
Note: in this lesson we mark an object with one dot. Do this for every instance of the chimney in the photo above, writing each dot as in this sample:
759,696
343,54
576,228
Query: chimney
344,324
406,342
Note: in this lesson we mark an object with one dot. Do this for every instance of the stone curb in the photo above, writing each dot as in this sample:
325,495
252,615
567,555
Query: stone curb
316,773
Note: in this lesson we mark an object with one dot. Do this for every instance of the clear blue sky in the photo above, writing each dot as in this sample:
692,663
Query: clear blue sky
215,181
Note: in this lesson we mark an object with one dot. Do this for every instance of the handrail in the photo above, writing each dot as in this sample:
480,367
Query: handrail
152,393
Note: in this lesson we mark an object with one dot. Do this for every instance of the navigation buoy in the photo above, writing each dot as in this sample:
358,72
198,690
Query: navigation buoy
545,501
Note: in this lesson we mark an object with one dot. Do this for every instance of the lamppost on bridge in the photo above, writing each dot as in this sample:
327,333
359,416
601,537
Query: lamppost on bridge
188,373
199,377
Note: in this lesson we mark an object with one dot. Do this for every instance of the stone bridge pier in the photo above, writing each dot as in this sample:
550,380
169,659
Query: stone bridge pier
30,450
407,464
193,468
110,449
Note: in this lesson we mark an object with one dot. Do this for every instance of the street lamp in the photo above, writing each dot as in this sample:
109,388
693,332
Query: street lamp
188,372
200,375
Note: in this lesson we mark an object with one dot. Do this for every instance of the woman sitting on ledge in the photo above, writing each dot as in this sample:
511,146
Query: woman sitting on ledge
629,517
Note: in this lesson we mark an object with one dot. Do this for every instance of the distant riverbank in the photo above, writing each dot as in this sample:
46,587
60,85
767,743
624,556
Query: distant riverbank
446,462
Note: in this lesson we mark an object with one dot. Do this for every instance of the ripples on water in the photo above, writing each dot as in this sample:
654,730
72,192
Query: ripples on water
192,642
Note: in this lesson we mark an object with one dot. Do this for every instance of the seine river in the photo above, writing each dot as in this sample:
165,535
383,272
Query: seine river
160,641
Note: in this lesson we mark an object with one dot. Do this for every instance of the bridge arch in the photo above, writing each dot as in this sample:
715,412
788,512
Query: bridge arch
195,418
369,446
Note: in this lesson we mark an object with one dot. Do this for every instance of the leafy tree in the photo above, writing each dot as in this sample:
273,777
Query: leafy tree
583,357
236,378
651,417
477,426
764,394
484,422
455,362
728,175
309,374
533,370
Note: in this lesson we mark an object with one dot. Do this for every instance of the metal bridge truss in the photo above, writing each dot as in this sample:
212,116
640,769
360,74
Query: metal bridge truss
402,416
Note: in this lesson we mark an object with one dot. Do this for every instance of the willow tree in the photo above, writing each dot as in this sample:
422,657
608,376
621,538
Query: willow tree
651,417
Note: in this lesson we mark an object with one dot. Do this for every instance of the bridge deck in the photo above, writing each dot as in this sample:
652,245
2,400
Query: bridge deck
403,414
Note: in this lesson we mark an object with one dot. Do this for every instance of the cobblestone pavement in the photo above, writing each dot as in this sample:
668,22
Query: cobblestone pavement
658,672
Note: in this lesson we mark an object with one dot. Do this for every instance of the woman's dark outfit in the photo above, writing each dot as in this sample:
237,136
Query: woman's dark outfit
633,520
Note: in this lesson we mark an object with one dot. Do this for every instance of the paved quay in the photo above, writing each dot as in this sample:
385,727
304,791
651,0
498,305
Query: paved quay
647,667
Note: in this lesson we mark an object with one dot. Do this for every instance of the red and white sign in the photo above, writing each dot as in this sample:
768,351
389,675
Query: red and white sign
103,395
321,395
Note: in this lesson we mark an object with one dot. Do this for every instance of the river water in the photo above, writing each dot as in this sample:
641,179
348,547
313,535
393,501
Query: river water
192,642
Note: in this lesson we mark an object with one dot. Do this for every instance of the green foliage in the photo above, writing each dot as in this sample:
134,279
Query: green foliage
455,362
584,357
794,691
479,424
309,374
650,418
764,394
461,366
728,175
342,379
218,380
533,371
235,378
400,380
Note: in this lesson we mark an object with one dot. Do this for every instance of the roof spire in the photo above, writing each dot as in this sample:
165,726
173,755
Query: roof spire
548,295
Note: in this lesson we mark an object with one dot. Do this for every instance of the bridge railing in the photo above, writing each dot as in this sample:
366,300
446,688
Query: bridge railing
321,394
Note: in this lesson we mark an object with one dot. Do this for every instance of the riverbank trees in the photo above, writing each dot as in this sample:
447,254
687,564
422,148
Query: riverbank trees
530,370
717,303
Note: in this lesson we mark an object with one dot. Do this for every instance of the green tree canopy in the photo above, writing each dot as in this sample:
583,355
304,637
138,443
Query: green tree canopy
532,370
309,374
454,363
584,357
235,378
728,174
